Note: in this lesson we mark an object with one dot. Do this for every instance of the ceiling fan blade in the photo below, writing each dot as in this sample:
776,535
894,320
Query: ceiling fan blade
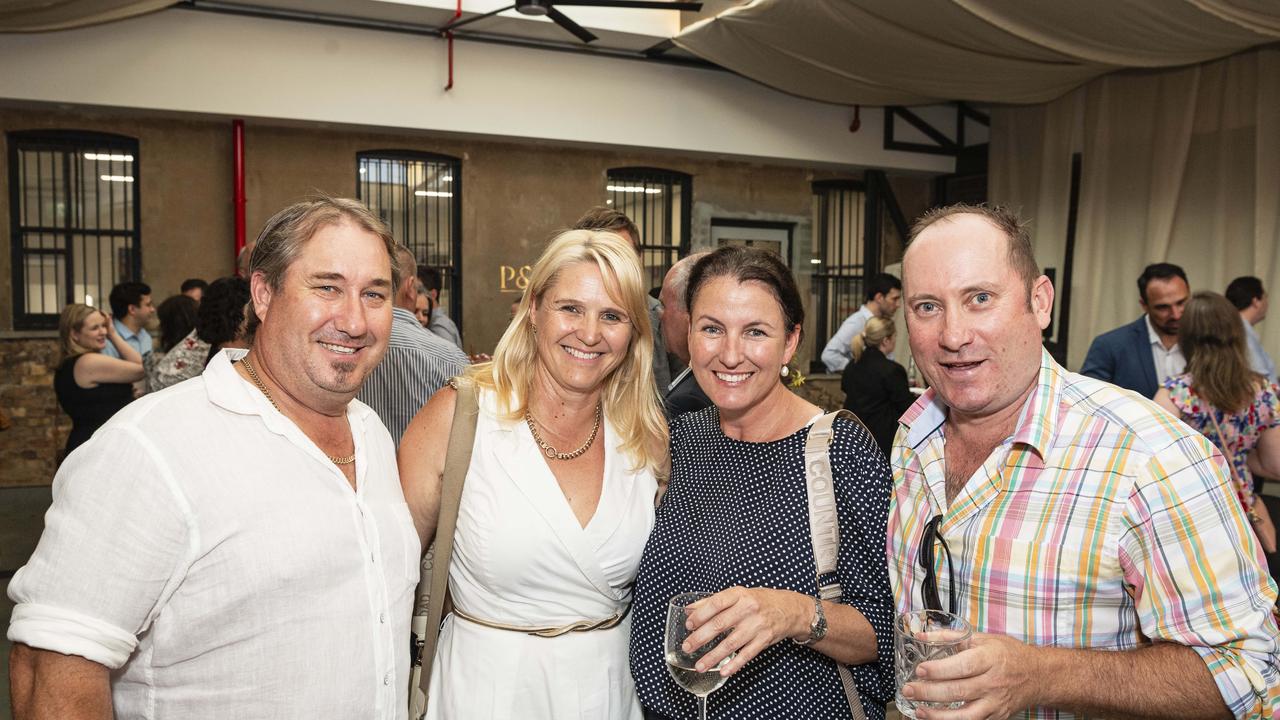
455,24
637,4
563,21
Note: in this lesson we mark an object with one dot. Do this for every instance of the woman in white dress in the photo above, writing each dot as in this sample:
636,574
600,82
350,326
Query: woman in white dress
558,499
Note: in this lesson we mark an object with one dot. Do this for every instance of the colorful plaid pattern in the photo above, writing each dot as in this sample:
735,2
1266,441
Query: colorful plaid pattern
1102,522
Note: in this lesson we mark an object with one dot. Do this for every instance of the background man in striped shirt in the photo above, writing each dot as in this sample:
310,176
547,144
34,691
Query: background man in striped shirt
418,362
1095,545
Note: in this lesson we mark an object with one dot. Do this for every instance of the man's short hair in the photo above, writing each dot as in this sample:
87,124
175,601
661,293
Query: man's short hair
881,284
1022,257
282,238
126,294
429,277
1244,290
192,284
606,218
406,265
1158,271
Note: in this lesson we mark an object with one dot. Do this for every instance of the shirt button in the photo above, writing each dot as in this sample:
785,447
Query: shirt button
386,679
382,617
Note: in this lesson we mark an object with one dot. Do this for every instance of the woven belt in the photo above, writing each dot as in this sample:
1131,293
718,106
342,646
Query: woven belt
547,632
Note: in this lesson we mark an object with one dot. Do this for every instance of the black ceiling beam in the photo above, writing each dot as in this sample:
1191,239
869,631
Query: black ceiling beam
270,13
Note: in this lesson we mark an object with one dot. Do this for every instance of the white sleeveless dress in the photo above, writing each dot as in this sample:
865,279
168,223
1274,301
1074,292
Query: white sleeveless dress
520,557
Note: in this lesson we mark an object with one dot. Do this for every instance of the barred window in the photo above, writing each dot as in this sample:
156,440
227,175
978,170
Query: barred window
419,196
659,203
842,259
74,213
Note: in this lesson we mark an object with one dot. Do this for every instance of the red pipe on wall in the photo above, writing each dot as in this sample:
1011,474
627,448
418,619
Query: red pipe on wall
237,161
457,14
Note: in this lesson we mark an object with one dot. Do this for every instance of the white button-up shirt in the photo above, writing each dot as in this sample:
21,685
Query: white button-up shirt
205,550
1169,361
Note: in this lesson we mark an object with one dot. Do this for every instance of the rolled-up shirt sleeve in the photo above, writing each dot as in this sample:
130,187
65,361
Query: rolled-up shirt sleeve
116,541
1199,577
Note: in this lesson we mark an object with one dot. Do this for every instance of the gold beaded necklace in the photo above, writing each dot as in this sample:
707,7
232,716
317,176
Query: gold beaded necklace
253,375
549,450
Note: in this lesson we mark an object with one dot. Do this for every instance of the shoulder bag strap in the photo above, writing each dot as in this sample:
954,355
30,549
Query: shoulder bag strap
433,588
824,528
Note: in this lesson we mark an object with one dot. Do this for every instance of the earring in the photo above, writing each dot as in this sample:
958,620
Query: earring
785,371
535,329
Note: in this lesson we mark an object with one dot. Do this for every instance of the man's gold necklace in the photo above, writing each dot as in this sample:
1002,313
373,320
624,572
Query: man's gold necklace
253,375
549,450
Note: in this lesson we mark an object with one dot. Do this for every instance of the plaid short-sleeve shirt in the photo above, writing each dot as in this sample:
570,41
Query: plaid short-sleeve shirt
1103,523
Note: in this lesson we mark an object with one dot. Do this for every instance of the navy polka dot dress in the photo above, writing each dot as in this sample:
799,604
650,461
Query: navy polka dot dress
736,513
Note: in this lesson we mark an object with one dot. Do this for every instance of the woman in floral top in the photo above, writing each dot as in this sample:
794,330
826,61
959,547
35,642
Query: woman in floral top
1235,408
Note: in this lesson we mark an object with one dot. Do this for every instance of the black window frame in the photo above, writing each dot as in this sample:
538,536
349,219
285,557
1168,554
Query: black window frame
70,143
842,276
452,273
666,225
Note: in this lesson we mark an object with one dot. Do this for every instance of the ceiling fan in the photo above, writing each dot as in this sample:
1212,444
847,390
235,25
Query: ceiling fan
548,8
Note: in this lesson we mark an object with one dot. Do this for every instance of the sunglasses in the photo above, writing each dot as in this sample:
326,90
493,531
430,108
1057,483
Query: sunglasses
929,588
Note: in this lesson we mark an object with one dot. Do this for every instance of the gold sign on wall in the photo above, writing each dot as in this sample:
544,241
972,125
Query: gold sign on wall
513,279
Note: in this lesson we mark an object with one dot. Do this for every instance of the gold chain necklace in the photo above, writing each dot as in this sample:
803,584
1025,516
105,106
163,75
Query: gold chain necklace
253,375
550,451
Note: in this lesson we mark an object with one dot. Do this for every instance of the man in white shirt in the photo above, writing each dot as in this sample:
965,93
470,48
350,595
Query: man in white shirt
238,545
884,294
1141,355
131,308
1249,297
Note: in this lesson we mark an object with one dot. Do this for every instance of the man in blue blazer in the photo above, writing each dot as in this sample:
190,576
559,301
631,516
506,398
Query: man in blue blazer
1140,356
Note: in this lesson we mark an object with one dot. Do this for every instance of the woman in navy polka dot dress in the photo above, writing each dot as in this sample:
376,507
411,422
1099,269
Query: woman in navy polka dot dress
734,521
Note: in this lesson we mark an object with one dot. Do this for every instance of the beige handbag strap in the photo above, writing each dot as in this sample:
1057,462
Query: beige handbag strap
457,460
824,528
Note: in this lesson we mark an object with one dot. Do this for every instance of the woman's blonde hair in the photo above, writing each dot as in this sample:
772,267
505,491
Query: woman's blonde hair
873,333
73,318
1211,338
630,397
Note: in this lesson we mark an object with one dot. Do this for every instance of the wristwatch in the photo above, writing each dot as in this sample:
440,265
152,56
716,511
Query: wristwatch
817,628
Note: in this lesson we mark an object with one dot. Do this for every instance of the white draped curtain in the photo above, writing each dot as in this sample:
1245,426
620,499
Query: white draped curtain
910,52
1178,165
45,15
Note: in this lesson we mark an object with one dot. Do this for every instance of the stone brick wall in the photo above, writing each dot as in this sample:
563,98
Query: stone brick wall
38,427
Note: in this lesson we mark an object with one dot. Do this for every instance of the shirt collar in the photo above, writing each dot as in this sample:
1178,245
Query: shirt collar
1248,329
1154,337
1036,423
123,330
672,385
399,313
228,390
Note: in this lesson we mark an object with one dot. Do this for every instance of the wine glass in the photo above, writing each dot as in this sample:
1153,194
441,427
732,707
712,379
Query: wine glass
680,664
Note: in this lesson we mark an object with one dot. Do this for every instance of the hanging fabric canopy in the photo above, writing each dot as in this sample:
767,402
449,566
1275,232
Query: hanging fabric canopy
44,15
911,52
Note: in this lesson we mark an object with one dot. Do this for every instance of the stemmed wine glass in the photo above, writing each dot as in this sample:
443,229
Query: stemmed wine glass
680,664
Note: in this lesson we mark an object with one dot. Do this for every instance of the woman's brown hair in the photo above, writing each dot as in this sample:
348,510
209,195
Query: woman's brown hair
1211,338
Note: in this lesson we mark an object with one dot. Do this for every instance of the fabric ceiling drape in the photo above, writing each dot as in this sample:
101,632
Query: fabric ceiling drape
44,15
1178,165
1006,51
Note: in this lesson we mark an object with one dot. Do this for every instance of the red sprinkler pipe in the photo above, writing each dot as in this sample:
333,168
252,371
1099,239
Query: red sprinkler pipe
457,14
237,161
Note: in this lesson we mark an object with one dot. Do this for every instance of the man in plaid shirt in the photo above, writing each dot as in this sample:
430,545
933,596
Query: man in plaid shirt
1091,540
